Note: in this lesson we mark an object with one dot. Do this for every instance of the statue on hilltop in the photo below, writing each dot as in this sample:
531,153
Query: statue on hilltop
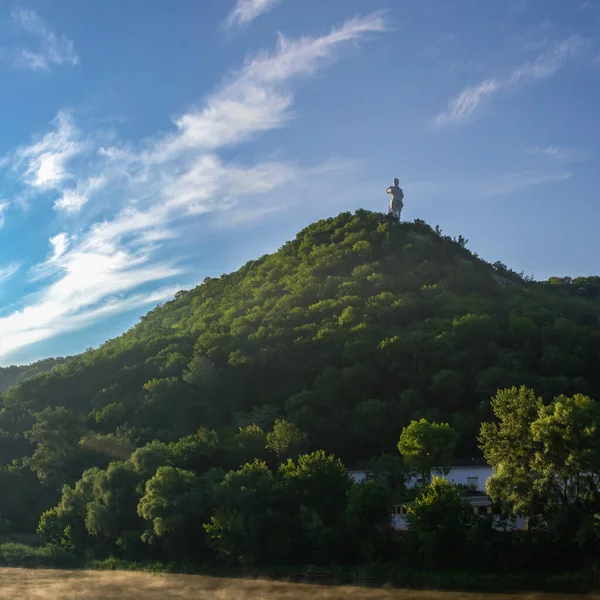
397,195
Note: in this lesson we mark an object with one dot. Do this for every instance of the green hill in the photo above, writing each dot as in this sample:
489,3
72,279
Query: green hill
14,374
349,331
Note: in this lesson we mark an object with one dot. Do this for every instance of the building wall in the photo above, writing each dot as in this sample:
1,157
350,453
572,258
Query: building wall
460,475
466,475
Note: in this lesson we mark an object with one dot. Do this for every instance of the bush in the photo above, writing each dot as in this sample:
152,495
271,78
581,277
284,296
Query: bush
14,554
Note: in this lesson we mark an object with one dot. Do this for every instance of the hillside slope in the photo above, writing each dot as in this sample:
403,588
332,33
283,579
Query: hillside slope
349,331
14,374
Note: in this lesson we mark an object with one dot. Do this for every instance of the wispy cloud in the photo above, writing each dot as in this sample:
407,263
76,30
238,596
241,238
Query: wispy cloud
559,153
73,199
544,66
246,11
44,164
8,271
256,98
3,206
467,101
158,187
52,49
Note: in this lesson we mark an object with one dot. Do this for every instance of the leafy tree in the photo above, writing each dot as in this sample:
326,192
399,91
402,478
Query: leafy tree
64,525
315,488
58,455
147,459
368,513
246,525
547,462
248,443
426,446
439,520
176,503
111,513
286,440
508,446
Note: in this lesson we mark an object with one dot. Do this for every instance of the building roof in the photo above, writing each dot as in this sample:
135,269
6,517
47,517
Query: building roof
473,461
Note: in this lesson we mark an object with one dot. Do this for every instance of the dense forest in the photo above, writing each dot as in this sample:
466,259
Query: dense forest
262,384
14,374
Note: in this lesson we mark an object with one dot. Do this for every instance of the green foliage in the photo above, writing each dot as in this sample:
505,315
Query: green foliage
58,456
368,515
177,503
286,440
439,520
425,446
547,462
244,527
14,554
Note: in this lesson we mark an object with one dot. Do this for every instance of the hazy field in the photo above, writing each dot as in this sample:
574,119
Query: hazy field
29,584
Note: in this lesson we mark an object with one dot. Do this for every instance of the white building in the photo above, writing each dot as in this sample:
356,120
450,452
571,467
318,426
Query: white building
481,504
470,472
473,473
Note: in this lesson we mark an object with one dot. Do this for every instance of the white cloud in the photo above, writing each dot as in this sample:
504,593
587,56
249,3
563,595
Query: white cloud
8,271
59,244
544,66
549,63
256,99
44,164
467,101
52,50
73,199
246,11
159,187
560,153
3,207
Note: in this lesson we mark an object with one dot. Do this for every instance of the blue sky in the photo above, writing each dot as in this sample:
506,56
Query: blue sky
147,144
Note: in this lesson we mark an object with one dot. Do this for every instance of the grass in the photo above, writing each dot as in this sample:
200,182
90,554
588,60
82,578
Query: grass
50,584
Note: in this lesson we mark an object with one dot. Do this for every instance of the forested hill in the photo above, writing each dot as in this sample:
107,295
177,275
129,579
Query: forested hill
349,331
14,374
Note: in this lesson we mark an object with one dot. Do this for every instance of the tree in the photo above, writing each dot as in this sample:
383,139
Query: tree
439,520
246,527
176,503
368,515
64,525
58,457
315,488
248,443
426,446
111,513
147,459
547,463
286,440
508,446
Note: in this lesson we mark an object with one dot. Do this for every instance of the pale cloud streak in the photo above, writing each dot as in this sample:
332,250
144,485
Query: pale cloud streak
159,185
44,164
461,107
8,271
52,49
3,206
246,11
257,98
73,199
559,153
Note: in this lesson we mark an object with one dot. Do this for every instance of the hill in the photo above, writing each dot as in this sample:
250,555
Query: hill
14,374
349,331
172,441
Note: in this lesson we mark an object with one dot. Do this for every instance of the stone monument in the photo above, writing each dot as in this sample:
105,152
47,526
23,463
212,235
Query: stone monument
397,195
